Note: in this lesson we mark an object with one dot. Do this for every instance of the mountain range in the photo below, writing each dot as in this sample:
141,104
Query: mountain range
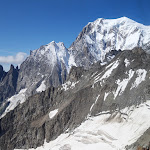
85,97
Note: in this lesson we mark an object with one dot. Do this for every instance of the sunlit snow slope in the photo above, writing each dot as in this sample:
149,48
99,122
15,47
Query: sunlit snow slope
105,131
112,104
14,101
103,35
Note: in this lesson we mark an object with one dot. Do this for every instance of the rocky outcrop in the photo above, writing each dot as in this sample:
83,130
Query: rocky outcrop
47,64
2,73
29,124
76,73
100,41
8,82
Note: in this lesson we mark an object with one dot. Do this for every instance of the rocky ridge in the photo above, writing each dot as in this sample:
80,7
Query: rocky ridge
50,64
8,85
122,83
46,66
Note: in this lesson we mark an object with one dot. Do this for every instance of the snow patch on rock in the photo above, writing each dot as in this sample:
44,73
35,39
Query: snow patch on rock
127,62
94,103
106,94
42,87
141,75
122,84
112,66
101,132
53,113
66,86
14,101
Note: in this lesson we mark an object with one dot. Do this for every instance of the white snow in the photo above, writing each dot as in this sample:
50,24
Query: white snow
108,66
106,131
127,62
114,65
109,34
106,94
109,71
94,103
141,75
42,87
89,40
66,86
14,101
73,84
52,54
122,84
71,61
53,113
94,74
103,63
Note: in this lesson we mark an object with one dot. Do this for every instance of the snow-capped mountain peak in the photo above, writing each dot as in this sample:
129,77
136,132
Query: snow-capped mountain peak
117,23
51,63
45,66
103,35
52,54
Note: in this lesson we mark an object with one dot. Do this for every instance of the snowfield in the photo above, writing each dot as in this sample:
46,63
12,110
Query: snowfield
105,131
14,101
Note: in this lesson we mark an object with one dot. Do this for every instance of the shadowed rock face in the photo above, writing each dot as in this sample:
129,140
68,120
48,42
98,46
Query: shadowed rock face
2,73
29,124
8,84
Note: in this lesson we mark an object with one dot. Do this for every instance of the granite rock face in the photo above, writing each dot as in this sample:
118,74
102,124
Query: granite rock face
8,84
2,73
29,124
48,64
98,41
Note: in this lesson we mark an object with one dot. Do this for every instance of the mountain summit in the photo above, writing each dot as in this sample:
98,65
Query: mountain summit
103,35
46,66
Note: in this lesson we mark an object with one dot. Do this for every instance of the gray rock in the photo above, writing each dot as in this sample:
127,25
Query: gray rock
8,84
43,64
29,124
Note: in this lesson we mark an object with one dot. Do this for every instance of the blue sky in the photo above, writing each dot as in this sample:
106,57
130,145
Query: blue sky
27,24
